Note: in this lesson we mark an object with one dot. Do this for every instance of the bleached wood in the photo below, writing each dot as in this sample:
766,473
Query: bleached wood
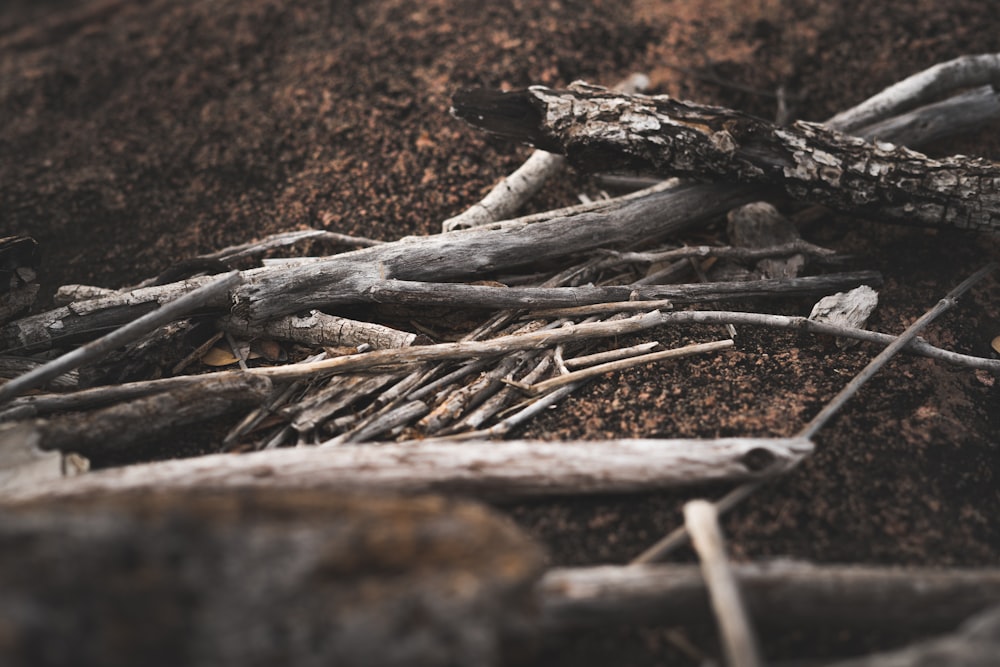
810,162
510,193
780,595
920,88
513,191
497,471
621,364
318,328
488,296
738,640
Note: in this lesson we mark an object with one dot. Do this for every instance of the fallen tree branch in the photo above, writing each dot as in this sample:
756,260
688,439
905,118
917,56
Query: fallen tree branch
486,296
600,369
498,471
595,127
922,87
779,595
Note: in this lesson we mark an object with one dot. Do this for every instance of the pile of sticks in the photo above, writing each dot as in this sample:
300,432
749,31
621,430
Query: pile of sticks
557,287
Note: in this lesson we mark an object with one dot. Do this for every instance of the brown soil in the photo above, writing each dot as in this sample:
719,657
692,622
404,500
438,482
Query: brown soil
139,133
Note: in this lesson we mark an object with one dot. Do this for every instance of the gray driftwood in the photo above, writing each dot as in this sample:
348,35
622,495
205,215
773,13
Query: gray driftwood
594,126
257,577
497,471
779,595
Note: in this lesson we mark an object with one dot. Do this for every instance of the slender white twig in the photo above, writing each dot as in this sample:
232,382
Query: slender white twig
923,87
738,640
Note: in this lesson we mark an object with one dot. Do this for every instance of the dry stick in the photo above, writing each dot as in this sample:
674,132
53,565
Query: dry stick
925,86
497,471
601,369
967,112
799,246
679,536
318,328
136,329
738,640
611,355
488,296
286,238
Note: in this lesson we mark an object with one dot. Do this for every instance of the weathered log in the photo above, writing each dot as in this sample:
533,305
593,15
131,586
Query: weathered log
596,128
260,577
498,471
487,296
780,595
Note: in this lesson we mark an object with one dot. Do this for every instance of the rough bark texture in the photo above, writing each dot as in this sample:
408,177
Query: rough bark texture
596,129
259,577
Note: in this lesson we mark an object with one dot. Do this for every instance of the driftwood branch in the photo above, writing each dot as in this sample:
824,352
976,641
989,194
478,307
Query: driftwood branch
593,126
779,595
498,471
921,88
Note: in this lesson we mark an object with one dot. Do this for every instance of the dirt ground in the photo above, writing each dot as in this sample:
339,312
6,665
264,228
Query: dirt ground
139,133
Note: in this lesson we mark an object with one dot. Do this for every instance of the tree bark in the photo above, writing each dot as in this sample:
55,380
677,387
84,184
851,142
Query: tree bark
598,129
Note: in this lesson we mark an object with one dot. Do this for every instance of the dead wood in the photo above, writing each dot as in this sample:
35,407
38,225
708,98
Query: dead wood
317,328
486,296
594,126
260,577
498,471
129,424
781,595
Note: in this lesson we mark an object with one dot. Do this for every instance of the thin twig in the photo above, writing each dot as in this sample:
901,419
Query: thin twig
738,640
629,362
679,535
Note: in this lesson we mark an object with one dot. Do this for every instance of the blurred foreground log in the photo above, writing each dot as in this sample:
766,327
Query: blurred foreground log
259,577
